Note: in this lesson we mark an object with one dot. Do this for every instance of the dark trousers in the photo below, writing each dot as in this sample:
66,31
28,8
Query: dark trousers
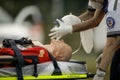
115,66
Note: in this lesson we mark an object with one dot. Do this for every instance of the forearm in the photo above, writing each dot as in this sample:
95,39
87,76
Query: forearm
89,23
83,26
86,15
108,53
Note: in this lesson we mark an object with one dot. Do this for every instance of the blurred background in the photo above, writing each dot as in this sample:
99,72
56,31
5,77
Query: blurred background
36,18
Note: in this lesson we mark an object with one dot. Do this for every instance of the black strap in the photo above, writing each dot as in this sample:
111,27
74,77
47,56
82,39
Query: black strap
34,61
57,70
19,57
115,5
24,41
20,60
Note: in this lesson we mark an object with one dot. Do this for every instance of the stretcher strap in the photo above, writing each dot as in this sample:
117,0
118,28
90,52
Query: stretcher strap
115,4
57,70
19,57
24,41
34,61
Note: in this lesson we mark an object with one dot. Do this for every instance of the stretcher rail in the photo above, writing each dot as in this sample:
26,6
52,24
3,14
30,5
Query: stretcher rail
52,77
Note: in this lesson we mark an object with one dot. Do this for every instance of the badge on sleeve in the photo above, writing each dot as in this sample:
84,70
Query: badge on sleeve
110,22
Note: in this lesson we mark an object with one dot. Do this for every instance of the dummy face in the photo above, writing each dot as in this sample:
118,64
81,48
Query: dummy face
61,50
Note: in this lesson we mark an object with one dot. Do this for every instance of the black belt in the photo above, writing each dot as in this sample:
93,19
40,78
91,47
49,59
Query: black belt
19,57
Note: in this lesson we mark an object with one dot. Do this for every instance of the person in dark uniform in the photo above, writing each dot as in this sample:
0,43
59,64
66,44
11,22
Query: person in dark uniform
115,66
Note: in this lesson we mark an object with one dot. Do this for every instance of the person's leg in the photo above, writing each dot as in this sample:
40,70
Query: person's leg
115,66
108,52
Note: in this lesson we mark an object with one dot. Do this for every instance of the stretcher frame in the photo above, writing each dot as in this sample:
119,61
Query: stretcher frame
47,77
37,77
52,77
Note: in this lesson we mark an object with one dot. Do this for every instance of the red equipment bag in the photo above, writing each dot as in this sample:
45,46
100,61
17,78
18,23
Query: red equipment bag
40,52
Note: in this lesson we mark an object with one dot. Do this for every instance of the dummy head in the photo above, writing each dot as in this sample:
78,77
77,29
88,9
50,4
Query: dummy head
61,50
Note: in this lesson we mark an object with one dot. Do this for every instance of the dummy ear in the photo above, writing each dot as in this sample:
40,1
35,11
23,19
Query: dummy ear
60,55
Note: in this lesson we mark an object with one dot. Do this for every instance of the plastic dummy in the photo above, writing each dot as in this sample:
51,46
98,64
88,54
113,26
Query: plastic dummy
58,49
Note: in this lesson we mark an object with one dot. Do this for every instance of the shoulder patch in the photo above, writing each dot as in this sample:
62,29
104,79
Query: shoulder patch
110,22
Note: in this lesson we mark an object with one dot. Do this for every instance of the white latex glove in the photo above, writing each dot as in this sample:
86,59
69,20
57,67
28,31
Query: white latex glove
98,60
99,75
60,31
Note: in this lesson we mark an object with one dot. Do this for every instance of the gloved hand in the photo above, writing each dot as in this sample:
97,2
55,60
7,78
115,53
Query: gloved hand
61,30
98,60
99,75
